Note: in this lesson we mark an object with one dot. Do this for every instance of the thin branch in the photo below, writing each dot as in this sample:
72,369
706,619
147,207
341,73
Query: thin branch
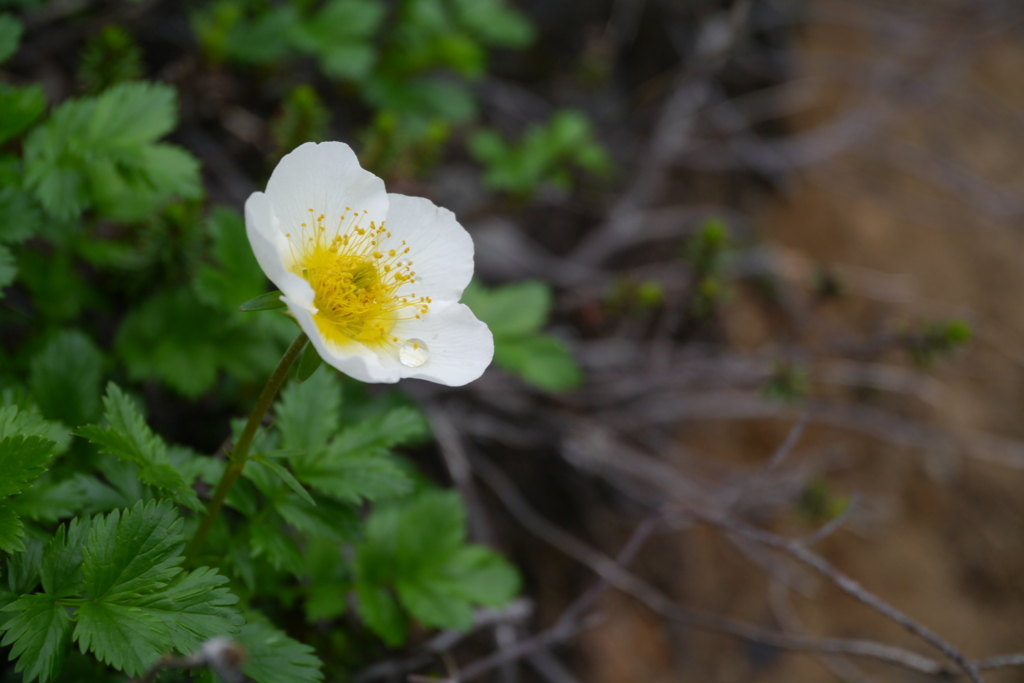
797,550
629,583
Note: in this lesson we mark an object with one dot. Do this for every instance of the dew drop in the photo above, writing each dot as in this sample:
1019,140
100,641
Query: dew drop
413,353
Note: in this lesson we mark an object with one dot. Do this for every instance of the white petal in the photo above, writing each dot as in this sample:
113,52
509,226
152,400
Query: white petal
271,249
441,250
354,359
327,178
460,346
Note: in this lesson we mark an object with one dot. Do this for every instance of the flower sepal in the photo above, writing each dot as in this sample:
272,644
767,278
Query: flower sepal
263,302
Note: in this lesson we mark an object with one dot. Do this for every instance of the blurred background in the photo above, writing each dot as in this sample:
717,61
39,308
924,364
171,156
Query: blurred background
749,264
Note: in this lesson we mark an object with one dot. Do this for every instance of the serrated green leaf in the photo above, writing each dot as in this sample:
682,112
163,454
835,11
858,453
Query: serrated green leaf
120,635
10,35
19,216
130,439
129,551
511,310
22,459
102,151
287,477
39,632
381,613
352,477
481,576
418,546
22,570
329,519
65,376
19,109
433,605
395,427
276,546
237,277
12,529
194,607
15,421
176,338
276,658
307,414
61,568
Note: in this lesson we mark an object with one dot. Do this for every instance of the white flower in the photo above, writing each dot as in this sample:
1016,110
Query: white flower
373,279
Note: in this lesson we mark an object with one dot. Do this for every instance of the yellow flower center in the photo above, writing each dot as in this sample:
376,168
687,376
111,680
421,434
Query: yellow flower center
356,276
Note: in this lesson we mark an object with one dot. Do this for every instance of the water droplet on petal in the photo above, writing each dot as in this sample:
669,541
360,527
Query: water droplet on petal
413,353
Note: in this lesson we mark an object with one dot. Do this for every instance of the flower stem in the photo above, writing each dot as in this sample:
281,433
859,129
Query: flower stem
240,453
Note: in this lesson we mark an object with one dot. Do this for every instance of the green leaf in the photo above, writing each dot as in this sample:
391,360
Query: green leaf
8,268
61,568
120,635
280,550
19,109
418,546
237,277
176,338
395,427
22,570
15,421
481,576
287,478
276,658
10,35
542,360
433,605
40,632
308,364
352,477
130,439
22,459
12,529
329,519
65,376
19,216
194,607
307,414
381,612
101,151
512,310
129,552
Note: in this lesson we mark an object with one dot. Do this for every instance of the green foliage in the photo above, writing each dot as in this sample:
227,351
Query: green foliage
546,154
10,36
937,340
102,152
302,118
128,438
515,313
396,66
186,337
788,383
117,267
707,253
132,601
65,376
110,57
419,547
819,504
25,453
273,657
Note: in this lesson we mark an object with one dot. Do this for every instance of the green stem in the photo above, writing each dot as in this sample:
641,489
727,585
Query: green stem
240,453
